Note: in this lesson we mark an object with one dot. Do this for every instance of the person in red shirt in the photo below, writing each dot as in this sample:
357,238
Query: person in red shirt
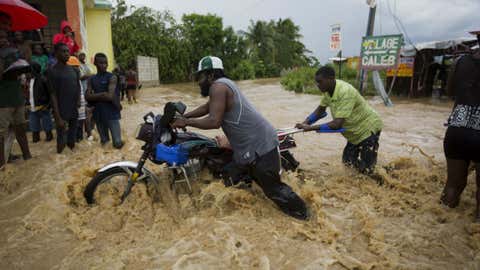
132,84
66,36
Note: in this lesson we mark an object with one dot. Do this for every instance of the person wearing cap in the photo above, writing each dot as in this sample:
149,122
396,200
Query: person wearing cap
82,109
462,138
74,62
253,139
64,87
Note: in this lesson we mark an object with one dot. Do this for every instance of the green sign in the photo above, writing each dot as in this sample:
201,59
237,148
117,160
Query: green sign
380,52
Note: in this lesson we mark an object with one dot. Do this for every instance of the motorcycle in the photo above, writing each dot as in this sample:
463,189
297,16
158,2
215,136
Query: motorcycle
184,153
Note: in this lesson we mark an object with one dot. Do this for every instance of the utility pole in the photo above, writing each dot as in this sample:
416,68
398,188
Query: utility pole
371,23
340,66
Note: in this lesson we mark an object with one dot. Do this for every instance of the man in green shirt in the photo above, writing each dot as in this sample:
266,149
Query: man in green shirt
350,111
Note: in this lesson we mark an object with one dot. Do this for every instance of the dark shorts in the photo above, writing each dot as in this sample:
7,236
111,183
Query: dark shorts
11,116
131,87
462,143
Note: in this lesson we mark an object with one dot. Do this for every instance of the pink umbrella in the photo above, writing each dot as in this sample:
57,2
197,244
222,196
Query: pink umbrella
24,17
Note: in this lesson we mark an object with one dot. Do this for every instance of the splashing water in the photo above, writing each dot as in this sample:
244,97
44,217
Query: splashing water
45,222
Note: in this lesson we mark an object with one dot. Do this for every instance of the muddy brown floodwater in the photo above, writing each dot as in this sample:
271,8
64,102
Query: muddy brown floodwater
356,224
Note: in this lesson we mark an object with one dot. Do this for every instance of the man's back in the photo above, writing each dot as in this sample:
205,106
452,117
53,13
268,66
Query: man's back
466,81
361,120
466,87
249,133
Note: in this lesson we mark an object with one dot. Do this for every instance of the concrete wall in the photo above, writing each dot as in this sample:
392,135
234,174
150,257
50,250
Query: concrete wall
148,73
99,34
83,25
74,19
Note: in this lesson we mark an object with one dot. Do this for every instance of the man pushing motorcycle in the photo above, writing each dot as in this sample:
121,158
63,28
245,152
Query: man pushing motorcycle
253,139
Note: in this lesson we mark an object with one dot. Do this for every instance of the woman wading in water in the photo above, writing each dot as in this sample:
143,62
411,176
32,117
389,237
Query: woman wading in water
462,139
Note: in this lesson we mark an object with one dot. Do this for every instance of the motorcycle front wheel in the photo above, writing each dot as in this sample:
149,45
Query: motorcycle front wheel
111,184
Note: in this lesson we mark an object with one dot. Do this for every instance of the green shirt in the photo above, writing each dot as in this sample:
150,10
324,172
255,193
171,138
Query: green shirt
42,60
11,94
360,119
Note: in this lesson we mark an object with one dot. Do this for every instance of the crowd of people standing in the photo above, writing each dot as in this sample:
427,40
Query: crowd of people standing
53,87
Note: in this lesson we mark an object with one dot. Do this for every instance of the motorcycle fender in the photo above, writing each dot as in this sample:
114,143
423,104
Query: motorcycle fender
128,164
131,165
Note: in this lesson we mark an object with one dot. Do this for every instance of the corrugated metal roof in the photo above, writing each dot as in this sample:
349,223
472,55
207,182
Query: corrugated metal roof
409,50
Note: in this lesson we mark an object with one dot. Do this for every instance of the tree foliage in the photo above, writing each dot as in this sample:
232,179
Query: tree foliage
264,50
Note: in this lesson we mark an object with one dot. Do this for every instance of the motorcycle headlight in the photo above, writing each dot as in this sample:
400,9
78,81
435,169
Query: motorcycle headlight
144,132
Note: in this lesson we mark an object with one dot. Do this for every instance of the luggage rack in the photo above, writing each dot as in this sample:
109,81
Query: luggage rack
285,139
288,131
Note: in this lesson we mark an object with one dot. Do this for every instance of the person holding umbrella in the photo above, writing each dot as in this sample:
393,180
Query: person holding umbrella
5,27
12,110
19,16
15,15
5,22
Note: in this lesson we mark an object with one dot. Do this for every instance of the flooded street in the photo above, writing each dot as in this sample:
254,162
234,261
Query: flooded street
45,222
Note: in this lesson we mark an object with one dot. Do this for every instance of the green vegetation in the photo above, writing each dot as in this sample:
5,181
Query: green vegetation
302,80
264,50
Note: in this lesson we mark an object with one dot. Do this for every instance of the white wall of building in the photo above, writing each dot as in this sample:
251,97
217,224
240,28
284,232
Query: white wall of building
148,73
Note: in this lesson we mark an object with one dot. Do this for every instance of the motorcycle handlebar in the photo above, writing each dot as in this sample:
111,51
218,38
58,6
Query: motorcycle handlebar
170,111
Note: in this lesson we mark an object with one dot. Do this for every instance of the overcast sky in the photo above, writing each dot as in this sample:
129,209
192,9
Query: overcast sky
424,20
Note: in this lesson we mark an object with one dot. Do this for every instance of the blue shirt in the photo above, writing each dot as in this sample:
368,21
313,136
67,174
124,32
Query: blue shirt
104,111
